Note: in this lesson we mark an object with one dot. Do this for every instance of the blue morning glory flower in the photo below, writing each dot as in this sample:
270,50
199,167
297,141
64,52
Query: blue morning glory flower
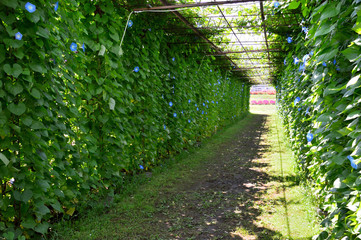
141,167
189,120
284,62
195,104
353,162
173,77
173,59
56,6
297,100
212,101
211,70
311,53
296,60
30,7
302,67
136,69
204,104
197,109
130,23
308,110
18,36
83,46
170,104
276,4
289,39
182,112
338,68
299,109
164,126
305,58
189,101
334,62
73,46
324,64
305,30
11,181
150,29
174,114
309,137
202,112
217,102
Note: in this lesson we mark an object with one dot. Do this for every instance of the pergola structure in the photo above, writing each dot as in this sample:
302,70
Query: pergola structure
243,32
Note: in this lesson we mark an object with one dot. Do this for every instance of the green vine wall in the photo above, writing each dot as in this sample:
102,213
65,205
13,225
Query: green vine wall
319,100
78,113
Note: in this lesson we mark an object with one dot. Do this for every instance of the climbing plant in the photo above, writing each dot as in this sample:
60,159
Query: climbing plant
79,111
319,99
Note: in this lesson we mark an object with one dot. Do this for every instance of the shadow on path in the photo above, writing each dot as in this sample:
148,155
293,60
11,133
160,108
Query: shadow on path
221,200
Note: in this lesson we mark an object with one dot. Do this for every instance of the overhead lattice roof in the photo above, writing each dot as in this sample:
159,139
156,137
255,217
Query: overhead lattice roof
243,32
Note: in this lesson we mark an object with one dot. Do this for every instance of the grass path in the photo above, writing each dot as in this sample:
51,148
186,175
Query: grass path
233,187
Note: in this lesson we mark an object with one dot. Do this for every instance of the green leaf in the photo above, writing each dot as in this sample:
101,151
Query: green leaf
43,32
327,55
9,236
352,53
330,11
325,28
19,53
294,5
324,117
332,89
28,223
14,89
111,103
42,228
4,159
15,71
10,3
59,193
44,185
35,93
344,131
36,125
37,68
353,81
56,205
42,209
17,109
102,50
2,53
26,195
338,183
353,115
357,27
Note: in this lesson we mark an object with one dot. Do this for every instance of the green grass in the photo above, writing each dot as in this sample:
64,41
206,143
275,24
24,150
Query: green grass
289,209
142,199
285,208
262,97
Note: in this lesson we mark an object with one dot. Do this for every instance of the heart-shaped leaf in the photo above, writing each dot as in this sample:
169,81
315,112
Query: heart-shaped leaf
17,109
15,71
14,89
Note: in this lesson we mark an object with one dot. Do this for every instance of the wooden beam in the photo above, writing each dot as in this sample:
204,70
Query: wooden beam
264,30
258,50
196,31
192,5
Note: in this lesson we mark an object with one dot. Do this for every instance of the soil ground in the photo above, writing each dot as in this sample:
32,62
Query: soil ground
230,194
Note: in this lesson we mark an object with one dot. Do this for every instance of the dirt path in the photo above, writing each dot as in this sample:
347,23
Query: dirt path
227,189
219,201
